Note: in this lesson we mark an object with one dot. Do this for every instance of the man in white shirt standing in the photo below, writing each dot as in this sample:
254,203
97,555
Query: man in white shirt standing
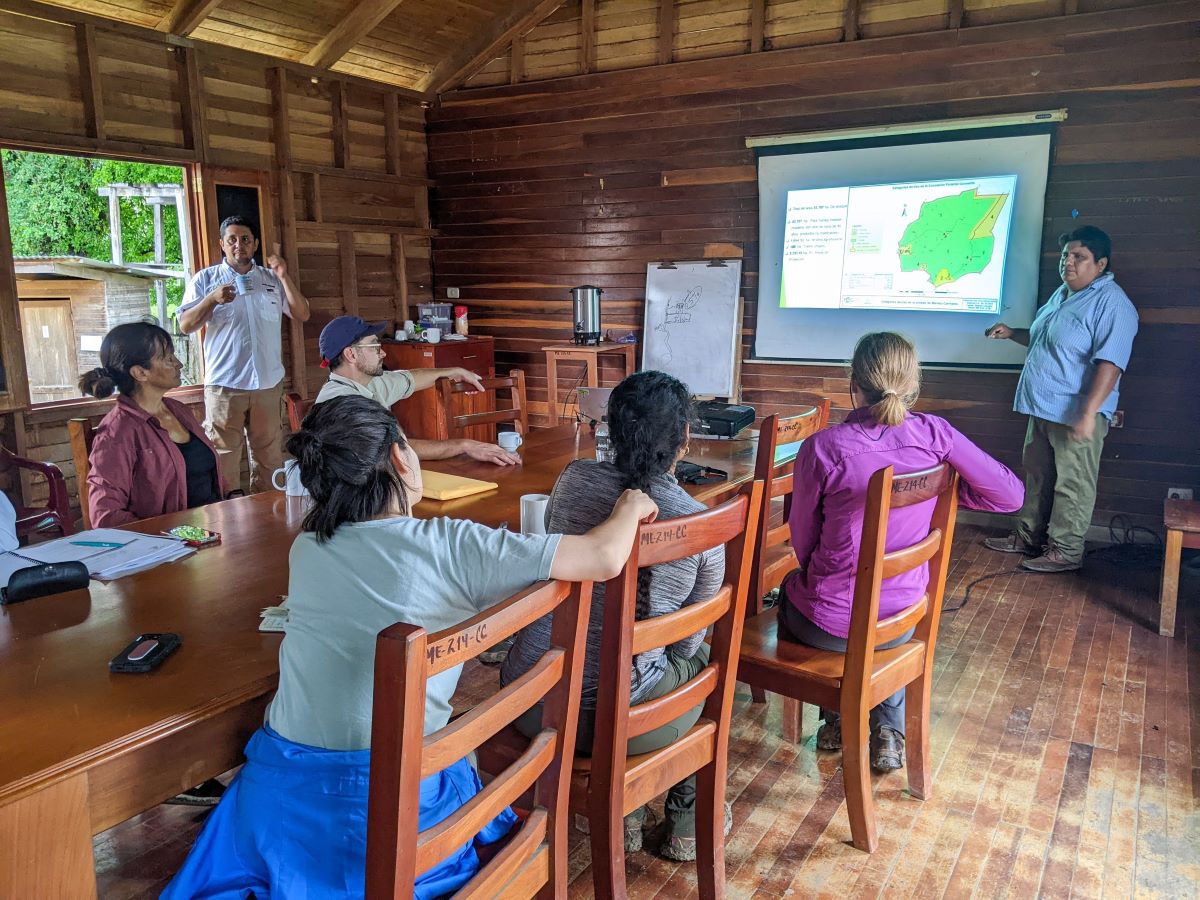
241,305
350,349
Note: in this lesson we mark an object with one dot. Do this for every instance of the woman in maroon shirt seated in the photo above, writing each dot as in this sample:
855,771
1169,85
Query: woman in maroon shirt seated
832,470
150,456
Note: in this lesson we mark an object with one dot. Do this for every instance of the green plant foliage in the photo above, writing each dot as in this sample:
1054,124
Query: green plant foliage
54,210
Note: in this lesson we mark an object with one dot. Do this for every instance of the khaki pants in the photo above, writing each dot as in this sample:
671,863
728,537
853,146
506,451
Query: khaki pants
1060,485
233,417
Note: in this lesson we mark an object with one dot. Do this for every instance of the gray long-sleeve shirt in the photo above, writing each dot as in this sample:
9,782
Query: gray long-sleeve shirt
584,497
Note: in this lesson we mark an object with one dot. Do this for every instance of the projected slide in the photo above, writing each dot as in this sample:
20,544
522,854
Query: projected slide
924,246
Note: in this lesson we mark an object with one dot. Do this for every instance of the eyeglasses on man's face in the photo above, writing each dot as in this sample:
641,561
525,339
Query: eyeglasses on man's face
369,346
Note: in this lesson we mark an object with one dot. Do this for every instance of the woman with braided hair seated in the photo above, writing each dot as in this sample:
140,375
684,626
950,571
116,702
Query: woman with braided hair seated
648,416
294,821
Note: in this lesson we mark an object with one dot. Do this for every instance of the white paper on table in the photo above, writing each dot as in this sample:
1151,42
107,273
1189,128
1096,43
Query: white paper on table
137,551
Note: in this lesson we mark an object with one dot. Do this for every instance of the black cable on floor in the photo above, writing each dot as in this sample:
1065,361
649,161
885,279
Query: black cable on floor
1124,551
967,593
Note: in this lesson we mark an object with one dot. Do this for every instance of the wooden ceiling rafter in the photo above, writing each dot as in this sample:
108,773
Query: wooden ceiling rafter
70,16
360,20
186,15
454,70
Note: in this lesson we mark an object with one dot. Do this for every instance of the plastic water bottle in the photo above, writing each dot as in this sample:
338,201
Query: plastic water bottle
604,447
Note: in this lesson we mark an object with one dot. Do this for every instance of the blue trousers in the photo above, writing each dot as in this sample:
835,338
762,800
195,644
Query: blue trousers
293,825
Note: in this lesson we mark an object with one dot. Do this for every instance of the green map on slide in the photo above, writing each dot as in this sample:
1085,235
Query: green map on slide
952,236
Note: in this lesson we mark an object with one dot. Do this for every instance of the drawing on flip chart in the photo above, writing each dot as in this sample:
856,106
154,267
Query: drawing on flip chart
677,313
692,324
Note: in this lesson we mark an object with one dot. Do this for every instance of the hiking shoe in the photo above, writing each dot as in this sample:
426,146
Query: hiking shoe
683,849
1050,562
887,749
1010,543
637,821
829,735
497,654
207,794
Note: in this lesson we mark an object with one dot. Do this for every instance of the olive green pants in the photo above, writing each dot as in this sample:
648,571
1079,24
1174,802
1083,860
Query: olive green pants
681,799
1060,485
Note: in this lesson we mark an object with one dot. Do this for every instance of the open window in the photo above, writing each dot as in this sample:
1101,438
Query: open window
87,244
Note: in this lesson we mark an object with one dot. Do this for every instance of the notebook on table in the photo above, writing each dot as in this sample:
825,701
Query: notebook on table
441,486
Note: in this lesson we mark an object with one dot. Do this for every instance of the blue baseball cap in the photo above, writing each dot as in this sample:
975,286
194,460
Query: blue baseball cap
343,331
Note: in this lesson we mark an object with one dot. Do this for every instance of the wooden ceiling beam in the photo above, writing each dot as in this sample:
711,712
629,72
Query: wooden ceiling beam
758,24
956,14
850,21
236,55
666,31
359,21
186,15
587,35
454,70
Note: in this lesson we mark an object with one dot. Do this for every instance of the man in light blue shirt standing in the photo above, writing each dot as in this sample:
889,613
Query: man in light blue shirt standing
241,304
1079,345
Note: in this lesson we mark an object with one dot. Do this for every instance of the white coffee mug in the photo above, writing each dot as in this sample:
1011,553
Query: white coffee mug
509,440
291,479
432,335
533,513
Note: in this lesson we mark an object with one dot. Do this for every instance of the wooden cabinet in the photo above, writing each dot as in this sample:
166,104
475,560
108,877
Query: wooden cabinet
420,415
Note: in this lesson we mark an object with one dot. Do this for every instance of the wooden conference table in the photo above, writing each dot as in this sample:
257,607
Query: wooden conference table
82,749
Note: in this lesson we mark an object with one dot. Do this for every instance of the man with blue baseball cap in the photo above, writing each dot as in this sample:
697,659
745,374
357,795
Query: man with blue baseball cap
351,350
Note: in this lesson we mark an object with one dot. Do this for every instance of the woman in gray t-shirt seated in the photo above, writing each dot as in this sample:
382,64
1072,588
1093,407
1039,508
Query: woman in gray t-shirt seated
648,418
294,821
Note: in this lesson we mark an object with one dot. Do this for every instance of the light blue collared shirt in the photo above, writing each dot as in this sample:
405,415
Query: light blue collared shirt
243,343
1067,339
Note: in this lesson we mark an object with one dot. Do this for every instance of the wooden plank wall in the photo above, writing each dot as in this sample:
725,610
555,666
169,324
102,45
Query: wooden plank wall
552,184
351,154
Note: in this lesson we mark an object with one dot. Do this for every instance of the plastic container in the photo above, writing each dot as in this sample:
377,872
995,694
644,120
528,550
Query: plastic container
435,315
604,447
460,320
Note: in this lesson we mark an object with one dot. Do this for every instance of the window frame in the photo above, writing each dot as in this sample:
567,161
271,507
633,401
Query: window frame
15,396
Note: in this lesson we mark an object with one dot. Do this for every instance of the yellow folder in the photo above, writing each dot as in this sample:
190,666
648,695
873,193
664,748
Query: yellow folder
440,486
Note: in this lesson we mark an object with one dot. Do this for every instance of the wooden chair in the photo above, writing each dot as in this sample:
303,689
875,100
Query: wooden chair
610,784
81,434
457,422
773,555
855,681
533,862
57,511
297,409
1182,520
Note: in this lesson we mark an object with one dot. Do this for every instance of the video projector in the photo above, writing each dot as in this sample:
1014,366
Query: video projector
722,419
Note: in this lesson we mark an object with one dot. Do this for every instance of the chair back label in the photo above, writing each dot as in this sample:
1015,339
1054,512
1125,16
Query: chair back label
919,483
917,487
462,642
665,534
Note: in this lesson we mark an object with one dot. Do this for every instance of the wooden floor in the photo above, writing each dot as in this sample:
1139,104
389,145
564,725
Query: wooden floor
1067,763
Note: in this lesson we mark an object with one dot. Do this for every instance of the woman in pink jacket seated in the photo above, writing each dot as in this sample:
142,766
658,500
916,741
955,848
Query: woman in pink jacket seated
150,456
832,470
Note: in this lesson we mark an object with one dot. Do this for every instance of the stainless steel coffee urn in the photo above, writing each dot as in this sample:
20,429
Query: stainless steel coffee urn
585,311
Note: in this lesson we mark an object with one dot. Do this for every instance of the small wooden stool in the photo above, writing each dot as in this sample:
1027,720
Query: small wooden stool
1182,518
589,355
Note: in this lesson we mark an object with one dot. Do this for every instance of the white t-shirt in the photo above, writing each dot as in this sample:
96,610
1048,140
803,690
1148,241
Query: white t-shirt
243,345
433,573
